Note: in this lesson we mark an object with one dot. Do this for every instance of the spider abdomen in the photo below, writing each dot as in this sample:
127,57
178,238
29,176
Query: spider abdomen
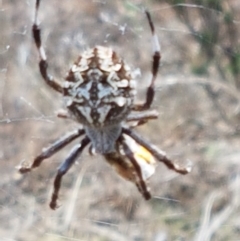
99,88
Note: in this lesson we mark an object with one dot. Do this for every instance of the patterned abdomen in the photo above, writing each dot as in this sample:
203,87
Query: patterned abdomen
99,88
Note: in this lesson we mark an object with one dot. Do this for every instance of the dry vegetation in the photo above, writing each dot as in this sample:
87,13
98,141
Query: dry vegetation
199,121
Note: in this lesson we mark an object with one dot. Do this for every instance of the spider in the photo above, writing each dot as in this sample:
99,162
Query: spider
99,92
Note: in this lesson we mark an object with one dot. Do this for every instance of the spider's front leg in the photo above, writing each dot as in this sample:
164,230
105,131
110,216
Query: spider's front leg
51,150
63,169
155,66
43,65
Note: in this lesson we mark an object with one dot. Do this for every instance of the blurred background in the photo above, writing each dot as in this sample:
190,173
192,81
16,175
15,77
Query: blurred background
197,96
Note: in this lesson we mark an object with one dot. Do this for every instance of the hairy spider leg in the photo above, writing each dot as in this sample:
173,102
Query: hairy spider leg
63,169
43,64
155,66
52,149
158,154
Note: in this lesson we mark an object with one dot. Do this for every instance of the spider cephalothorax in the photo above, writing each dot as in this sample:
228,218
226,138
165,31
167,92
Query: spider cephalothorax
99,94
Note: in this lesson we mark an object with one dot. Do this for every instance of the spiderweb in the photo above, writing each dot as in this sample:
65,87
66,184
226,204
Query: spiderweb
197,97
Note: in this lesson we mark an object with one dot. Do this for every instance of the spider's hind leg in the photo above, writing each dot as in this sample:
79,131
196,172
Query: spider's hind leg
63,169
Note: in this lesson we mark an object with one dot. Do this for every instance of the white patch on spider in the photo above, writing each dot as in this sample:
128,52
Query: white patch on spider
87,54
86,112
103,52
127,67
66,84
111,79
84,92
133,92
120,101
106,65
78,77
129,102
68,101
63,113
122,83
156,44
103,111
116,67
75,68
78,100
42,53
83,64
133,84
189,168
103,90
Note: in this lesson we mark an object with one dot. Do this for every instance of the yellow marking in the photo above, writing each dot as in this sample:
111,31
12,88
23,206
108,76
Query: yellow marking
145,155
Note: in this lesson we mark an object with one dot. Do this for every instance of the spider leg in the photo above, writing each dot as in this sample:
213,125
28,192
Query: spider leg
155,66
51,150
158,154
64,167
43,65
141,185
141,118
148,115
